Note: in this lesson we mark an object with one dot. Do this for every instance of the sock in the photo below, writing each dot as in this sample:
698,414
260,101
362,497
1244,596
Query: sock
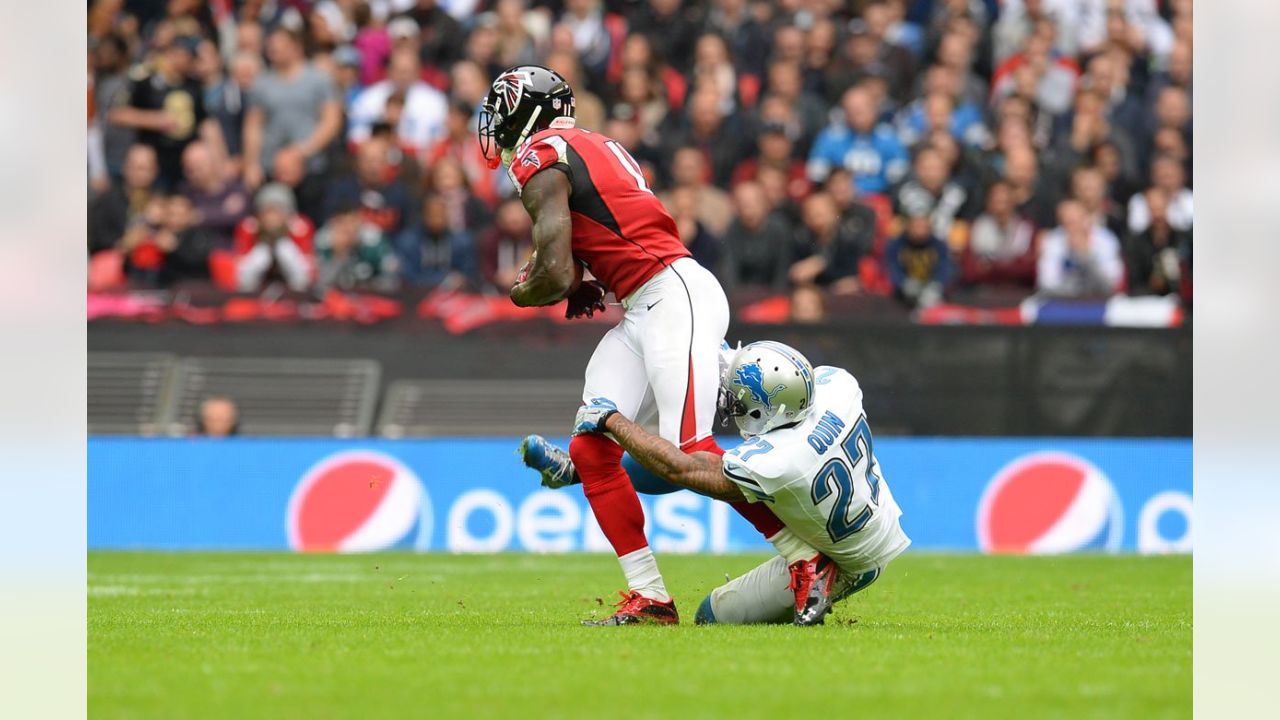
641,569
609,492
792,547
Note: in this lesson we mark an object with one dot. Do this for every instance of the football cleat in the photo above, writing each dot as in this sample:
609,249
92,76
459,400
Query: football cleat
814,583
551,461
636,609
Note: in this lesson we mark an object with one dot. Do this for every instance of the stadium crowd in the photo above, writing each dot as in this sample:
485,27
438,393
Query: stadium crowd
914,148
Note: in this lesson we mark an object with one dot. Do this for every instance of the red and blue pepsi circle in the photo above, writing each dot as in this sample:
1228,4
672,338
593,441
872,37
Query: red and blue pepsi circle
358,501
1047,503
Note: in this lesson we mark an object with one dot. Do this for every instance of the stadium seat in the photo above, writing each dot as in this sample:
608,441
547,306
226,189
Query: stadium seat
280,396
423,408
128,392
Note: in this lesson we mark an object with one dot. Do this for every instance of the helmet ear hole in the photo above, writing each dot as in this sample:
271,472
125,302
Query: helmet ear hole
755,414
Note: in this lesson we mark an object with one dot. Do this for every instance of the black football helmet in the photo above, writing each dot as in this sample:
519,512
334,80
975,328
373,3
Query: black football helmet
523,100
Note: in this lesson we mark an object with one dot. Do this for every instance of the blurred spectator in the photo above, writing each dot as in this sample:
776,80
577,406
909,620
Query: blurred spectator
422,120
166,108
587,106
739,33
434,252
460,145
1078,259
866,54
825,256
584,20
517,44
290,170
353,254
787,84
774,150
1156,256
1034,197
1089,186
671,26
293,107
383,201
1167,175
807,306
642,103
346,74
1018,20
464,210
115,210
504,248
111,89
440,37
918,264
858,221
163,244
220,202
757,244
370,46
701,242
1001,248
689,172
706,129
869,150
275,243
227,100
937,110
219,417
929,192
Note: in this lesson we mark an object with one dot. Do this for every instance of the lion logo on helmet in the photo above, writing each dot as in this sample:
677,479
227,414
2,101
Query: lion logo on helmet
751,377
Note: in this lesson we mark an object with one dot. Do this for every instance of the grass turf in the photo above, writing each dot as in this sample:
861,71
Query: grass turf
432,636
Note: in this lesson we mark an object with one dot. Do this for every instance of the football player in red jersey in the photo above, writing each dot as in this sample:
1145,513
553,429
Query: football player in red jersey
591,206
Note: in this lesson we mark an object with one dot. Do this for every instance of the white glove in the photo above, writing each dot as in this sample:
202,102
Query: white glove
591,417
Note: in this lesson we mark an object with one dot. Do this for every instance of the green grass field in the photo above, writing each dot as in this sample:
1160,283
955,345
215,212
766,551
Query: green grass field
432,636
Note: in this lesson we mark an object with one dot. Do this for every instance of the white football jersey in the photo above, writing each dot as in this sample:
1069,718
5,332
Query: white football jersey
822,480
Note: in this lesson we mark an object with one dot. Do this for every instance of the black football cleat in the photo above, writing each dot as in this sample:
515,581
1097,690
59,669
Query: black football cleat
814,583
636,609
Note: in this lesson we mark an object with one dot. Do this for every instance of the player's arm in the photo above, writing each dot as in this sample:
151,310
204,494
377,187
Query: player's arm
699,472
546,197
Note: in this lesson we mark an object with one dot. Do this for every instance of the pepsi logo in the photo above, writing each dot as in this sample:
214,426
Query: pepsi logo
358,501
1049,502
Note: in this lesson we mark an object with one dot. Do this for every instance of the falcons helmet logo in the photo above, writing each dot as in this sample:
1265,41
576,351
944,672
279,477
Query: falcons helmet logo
510,88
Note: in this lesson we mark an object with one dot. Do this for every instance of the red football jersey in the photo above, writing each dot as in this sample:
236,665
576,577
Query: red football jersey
621,232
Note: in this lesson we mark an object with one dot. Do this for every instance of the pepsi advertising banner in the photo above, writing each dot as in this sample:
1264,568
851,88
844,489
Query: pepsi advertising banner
474,495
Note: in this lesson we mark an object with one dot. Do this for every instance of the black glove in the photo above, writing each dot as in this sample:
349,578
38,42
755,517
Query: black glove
586,300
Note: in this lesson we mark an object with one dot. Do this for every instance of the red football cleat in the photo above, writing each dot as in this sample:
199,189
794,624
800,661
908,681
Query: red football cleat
636,609
813,581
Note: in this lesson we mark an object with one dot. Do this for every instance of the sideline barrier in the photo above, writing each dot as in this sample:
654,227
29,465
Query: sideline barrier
474,495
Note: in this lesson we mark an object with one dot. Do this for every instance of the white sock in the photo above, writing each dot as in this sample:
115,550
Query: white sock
792,547
641,569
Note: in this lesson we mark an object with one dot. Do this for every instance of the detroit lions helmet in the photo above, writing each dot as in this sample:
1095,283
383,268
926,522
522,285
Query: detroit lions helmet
767,385
522,100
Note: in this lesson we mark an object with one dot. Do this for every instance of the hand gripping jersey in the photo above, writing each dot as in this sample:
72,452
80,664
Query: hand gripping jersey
821,478
620,230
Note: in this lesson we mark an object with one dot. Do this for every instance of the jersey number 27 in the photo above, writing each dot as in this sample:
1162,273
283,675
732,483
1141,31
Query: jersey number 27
837,477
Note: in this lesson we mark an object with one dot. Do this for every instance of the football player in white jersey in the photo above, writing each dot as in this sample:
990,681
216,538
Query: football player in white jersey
808,453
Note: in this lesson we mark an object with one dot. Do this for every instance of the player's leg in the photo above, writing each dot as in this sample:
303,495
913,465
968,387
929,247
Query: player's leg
763,595
617,372
681,338
760,596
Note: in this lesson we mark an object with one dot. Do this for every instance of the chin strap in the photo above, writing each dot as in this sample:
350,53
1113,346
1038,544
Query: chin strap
533,118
